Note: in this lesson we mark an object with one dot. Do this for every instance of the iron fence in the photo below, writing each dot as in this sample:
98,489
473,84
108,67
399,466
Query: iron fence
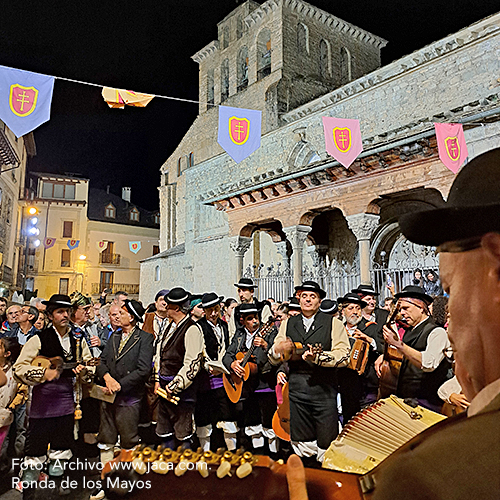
272,281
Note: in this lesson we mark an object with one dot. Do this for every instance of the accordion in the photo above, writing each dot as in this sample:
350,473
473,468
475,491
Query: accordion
359,356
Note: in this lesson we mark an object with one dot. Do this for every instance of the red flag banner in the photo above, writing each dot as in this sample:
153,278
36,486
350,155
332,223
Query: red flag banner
451,145
342,139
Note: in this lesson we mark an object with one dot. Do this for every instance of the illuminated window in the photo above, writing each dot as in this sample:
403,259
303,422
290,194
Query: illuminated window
134,215
110,211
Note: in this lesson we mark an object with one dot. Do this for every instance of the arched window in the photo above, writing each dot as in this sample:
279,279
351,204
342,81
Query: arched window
345,66
110,211
134,215
179,167
157,273
302,39
225,41
224,80
210,88
263,54
242,68
325,66
191,159
157,218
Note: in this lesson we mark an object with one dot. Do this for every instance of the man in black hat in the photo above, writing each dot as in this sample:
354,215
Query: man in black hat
312,386
51,419
246,291
371,313
213,408
156,322
125,367
358,390
258,401
329,306
178,359
294,306
424,368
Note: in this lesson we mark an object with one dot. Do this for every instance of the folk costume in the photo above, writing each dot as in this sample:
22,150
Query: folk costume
264,307
423,383
51,419
178,359
213,408
258,399
312,385
127,358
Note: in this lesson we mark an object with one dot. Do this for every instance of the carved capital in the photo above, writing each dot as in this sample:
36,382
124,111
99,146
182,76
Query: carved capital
296,235
363,225
285,250
239,245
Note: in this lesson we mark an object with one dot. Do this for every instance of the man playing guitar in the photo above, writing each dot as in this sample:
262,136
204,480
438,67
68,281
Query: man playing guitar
258,402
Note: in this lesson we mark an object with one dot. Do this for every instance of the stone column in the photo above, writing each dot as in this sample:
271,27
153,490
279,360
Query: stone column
284,249
239,245
363,226
297,235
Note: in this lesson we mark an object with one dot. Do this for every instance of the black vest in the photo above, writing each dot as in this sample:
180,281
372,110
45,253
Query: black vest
319,333
212,346
414,382
51,347
173,351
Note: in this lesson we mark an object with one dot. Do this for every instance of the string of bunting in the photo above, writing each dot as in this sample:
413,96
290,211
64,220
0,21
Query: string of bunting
25,100
134,246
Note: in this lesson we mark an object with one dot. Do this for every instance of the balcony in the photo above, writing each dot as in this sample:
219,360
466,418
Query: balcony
7,274
97,288
112,259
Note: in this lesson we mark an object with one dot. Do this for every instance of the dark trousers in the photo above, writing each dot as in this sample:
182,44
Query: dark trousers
120,420
56,431
214,406
313,410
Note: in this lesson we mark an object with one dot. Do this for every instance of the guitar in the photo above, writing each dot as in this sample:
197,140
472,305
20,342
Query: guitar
233,384
57,363
281,417
389,371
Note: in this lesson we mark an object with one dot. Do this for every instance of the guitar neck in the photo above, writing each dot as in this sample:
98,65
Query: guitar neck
263,333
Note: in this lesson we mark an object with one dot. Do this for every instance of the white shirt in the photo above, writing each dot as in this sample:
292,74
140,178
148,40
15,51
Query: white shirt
249,338
433,354
308,322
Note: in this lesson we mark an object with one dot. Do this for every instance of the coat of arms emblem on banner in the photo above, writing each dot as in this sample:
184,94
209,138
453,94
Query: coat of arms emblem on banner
22,100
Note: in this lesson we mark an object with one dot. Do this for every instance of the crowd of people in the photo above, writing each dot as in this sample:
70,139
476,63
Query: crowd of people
200,371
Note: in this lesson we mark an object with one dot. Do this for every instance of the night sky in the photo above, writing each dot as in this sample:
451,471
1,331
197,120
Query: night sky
146,47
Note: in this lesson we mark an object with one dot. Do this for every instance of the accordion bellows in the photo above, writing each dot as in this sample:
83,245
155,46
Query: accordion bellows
375,432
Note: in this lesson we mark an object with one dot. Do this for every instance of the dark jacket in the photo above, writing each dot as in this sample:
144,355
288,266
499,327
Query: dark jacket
132,367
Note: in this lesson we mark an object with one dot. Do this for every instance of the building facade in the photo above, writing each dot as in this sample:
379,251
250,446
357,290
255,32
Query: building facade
72,218
289,211
14,154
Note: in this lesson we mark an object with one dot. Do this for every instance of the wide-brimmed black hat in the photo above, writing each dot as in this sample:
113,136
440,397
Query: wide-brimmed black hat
329,306
245,283
352,298
135,308
58,300
246,309
161,293
210,300
311,286
416,292
177,296
294,304
365,290
472,209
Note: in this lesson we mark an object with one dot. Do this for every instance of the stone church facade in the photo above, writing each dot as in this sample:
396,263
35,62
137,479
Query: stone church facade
289,211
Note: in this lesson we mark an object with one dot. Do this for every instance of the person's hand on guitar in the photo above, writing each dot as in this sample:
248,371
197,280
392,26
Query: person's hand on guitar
358,334
260,342
281,378
112,385
285,347
391,337
95,341
296,478
309,355
80,369
459,400
378,365
51,374
236,367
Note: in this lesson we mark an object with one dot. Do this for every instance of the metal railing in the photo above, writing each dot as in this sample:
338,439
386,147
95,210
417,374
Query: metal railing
271,281
109,258
98,288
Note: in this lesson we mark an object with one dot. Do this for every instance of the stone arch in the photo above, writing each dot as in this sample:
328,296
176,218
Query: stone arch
325,59
224,80
272,227
242,69
302,154
302,39
345,66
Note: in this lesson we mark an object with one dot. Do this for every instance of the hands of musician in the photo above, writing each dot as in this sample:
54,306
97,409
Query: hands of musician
284,347
236,367
260,342
95,341
157,386
459,400
358,334
391,337
112,385
79,369
378,365
51,374
281,378
309,355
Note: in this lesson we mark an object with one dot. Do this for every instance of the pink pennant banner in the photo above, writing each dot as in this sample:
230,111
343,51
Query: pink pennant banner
451,145
342,139
49,242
